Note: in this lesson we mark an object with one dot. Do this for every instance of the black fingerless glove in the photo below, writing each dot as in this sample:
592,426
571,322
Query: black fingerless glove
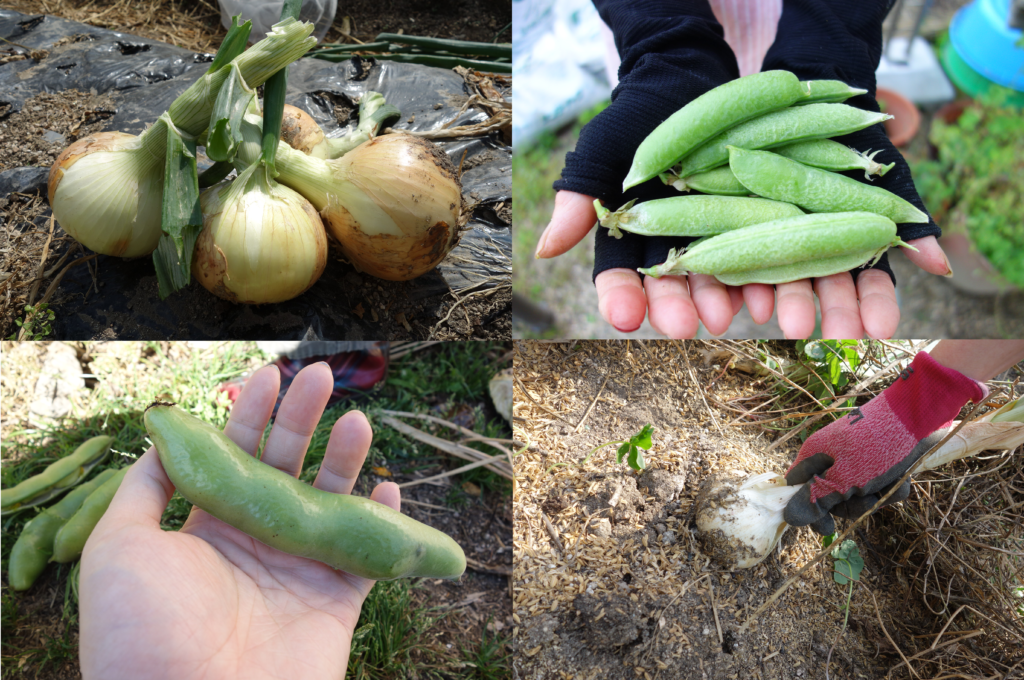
672,52
841,40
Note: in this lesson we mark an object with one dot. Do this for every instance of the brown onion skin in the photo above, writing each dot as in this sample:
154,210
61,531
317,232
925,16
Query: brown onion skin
100,141
392,257
299,130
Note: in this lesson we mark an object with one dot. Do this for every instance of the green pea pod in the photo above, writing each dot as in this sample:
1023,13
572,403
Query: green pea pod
347,532
827,91
829,154
787,242
772,176
709,114
34,546
57,478
692,215
816,121
717,182
71,538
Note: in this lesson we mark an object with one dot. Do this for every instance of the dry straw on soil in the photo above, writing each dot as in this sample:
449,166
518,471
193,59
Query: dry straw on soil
943,573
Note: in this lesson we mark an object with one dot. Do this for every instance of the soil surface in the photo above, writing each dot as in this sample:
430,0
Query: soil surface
610,579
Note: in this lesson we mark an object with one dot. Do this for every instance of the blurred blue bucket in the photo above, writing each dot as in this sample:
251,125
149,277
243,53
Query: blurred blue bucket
981,35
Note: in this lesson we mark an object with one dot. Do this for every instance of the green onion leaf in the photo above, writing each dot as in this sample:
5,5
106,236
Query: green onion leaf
233,44
181,219
225,122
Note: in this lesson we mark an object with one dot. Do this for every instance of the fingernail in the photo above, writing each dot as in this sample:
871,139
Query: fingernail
542,244
949,268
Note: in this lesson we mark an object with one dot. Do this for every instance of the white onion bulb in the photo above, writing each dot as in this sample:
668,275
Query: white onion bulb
106,192
261,242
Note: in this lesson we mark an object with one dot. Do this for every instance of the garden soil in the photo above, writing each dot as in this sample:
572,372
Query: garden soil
609,578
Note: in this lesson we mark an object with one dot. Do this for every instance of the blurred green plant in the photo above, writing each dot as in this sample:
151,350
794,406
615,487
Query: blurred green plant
975,185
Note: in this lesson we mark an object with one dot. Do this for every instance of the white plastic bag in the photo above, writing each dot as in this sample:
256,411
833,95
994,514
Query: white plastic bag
265,13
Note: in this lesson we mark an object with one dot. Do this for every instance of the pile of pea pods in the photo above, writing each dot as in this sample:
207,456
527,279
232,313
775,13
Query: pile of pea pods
59,532
804,219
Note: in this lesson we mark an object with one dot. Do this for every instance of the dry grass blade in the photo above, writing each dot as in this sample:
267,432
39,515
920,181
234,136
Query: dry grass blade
451,473
494,464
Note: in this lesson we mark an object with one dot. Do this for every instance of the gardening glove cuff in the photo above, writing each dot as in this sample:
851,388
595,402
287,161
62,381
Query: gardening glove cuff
672,52
866,451
839,40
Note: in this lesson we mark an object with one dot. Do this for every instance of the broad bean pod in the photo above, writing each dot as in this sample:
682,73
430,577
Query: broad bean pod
347,532
34,546
691,215
785,242
70,540
713,112
773,176
798,123
57,478
828,154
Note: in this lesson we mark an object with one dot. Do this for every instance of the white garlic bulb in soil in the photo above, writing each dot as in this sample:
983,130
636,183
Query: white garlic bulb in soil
106,191
261,242
739,519
395,206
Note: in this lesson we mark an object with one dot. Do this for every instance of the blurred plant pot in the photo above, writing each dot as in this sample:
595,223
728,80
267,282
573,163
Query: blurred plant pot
906,119
972,272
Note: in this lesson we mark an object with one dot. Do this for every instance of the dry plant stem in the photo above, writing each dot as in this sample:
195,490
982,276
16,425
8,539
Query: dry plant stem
492,124
425,505
497,570
839,539
714,609
700,390
552,532
456,450
456,471
591,407
42,265
470,435
879,615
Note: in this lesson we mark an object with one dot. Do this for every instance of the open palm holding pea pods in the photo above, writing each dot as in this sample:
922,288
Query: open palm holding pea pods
350,533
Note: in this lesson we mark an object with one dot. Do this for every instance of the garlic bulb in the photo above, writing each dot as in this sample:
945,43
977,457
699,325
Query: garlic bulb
261,242
106,191
739,520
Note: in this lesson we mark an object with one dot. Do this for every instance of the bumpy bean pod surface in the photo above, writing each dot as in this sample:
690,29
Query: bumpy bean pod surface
709,114
815,121
692,215
829,154
784,242
772,176
347,532
34,546
58,477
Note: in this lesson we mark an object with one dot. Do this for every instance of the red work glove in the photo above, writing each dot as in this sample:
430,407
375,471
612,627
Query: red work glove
855,461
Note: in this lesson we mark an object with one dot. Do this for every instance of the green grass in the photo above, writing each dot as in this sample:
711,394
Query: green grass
391,627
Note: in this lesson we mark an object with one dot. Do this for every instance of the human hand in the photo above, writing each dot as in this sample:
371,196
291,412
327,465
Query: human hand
851,463
208,600
677,304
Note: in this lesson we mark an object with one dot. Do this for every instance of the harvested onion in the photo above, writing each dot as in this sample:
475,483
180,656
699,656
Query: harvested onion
393,203
739,521
261,242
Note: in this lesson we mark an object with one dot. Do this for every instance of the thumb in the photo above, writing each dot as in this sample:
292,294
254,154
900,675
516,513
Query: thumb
571,220
929,256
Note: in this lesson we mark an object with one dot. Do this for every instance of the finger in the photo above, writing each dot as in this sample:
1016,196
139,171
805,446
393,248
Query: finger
388,493
346,451
712,301
142,497
297,418
929,256
252,409
671,310
571,220
840,312
760,299
736,297
879,311
621,299
796,308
